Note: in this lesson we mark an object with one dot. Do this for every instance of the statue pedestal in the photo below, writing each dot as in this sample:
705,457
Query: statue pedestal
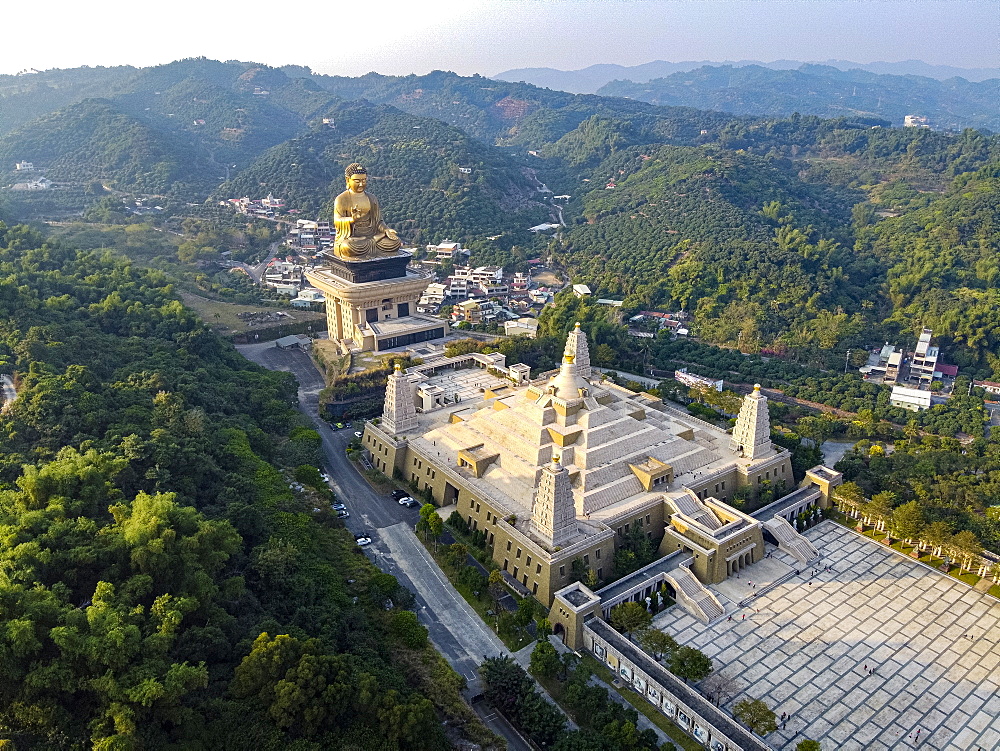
374,270
373,302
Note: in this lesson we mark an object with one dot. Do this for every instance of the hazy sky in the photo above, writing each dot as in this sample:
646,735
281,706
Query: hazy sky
488,36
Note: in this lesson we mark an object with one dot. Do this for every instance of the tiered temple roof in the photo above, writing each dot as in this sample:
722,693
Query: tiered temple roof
614,447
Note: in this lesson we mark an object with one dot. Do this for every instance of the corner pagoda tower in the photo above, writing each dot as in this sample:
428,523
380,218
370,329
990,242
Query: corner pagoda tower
752,432
370,292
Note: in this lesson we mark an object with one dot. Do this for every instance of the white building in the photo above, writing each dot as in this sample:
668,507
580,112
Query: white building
540,296
458,287
446,251
42,183
581,290
24,167
989,386
911,399
308,297
522,327
697,381
494,289
925,357
434,294
480,274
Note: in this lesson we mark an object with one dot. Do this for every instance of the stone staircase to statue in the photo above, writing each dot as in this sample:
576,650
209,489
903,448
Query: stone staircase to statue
791,541
693,596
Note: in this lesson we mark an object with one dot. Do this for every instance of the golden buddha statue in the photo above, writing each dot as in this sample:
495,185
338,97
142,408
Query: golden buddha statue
361,233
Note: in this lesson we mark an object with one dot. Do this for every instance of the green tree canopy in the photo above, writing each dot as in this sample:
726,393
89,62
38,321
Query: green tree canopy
756,715
630,617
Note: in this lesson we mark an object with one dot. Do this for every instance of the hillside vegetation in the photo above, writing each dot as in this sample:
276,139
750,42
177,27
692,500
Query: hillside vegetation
417,167
796,234
162,584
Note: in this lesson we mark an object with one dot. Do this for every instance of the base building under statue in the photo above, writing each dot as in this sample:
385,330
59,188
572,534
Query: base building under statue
372,303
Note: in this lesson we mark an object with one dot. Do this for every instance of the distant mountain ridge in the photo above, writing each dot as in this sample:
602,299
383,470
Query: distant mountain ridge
953,104
588,80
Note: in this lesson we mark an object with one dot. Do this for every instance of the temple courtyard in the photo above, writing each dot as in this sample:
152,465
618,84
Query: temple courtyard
806,645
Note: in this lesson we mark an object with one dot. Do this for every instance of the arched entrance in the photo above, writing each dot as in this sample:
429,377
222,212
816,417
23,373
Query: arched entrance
560,632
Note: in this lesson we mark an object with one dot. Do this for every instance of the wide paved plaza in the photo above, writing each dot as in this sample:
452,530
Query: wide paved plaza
932,642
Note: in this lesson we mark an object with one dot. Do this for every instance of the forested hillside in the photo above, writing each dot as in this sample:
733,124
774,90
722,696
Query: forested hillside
822,90
26,97
797,234
96,141
792,235
943,266
433,180
515,114
161,584
180,130
740,240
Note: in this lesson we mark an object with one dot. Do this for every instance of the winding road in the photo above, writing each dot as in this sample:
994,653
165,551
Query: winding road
454,627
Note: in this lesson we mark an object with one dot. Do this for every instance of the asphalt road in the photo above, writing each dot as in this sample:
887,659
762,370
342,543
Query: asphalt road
499,725
369,511
454,628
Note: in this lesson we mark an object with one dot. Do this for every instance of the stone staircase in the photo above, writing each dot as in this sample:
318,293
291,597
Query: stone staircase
693,596
690,505
791,541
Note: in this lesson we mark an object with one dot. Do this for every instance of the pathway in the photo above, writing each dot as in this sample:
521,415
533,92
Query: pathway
462,637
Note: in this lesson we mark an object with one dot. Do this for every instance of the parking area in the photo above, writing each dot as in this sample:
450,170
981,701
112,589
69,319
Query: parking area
292,360
876,653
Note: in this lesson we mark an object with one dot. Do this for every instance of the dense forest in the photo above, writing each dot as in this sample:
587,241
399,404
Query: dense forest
95,141
162,583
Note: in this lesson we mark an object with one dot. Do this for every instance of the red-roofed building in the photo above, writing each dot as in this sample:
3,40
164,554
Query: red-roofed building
948,371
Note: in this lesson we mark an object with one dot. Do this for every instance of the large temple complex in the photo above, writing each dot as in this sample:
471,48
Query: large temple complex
558,470
588,495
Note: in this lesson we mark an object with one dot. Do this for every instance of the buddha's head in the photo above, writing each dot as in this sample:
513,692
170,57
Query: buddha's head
357,178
